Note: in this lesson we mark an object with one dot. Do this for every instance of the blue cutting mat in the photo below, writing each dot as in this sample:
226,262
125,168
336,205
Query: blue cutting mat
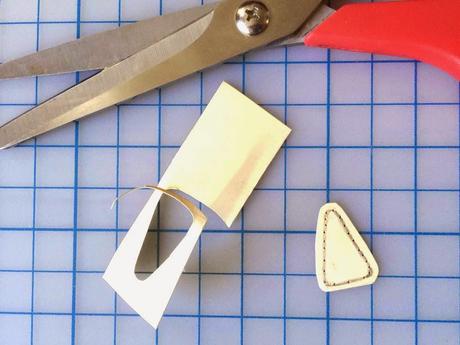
377,134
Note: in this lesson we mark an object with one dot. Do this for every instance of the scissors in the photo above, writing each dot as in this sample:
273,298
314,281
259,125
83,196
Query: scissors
136,58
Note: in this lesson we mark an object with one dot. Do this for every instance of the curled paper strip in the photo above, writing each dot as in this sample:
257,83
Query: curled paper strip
151,296
219,164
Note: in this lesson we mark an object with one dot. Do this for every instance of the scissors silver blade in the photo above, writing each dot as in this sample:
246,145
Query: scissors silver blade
205,42
103,49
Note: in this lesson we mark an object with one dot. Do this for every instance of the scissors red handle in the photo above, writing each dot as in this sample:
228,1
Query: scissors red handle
425,30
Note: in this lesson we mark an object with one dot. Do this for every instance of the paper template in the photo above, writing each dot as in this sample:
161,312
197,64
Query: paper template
219,164
150,297
343,259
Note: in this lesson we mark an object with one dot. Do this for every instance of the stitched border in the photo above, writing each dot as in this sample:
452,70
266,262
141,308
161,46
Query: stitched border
344,226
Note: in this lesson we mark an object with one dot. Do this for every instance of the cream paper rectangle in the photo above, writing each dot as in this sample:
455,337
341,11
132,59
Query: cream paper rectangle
226,153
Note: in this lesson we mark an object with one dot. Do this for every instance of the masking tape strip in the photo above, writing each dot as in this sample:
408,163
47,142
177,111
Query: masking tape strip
150,297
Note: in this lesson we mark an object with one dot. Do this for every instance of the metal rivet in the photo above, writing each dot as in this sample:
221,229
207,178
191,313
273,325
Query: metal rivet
252,18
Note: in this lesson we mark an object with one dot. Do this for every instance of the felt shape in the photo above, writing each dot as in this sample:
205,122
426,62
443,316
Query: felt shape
343,259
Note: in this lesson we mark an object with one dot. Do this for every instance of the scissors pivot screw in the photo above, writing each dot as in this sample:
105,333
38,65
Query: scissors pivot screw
252,18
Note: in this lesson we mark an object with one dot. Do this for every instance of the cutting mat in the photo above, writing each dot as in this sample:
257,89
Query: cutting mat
377,134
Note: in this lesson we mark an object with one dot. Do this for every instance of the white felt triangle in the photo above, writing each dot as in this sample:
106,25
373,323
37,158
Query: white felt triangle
343,259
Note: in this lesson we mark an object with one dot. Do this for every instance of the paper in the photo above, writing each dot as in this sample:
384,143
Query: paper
343,259
150,297
226,153
219,164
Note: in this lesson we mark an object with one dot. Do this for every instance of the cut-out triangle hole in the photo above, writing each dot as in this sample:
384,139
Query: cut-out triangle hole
166,231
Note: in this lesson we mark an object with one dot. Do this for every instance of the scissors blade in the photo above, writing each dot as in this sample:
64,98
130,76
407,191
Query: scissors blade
112,85
208,41
86,53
